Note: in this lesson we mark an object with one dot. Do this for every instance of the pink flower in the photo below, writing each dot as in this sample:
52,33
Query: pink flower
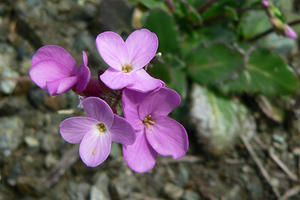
127,59
55,70
265,3
289,32
96,131
156,133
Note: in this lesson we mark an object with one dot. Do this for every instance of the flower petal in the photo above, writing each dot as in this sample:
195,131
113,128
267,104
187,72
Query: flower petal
168,137
142,46
98,109
73,129
121,131
55,53
46,71
83,74
62,85
130,102
140,156
116,80
143,82
95,148
112,49
159,103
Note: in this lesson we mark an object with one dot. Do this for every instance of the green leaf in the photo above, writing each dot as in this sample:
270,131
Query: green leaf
164,26
218,120
210,65
266,73
178,82
151,4
162,72
171,72
253,23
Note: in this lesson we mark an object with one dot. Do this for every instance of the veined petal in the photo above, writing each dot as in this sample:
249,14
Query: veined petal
121,131
47,71
159,103
73,129
116,80
168,137
140,156
98,109
95,148
130,102
143,82
83,74
60,86
112,49
142,46
55,53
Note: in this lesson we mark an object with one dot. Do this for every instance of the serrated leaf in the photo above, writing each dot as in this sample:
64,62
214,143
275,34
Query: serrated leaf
266,73
218,120
210,65
151,4
164,26
253,23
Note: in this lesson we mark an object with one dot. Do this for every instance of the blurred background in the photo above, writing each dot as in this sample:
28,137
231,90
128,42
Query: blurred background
236,65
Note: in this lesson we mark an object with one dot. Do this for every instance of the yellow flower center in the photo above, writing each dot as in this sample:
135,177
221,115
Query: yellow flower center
127,68
101,127
148,121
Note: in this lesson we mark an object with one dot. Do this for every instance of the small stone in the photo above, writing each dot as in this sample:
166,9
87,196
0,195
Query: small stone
83,191
100,188
115,151
173,191
97,194
7,85
11,132
50,160
50,142
190,195
32,142
122,186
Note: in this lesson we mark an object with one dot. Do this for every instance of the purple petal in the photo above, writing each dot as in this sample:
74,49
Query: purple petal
60,86
83,74
289,32
168,137
112,49
159,103
73,129
47,71
140,156
143,82
116,80
55,53
142,46
121,131
130,102
98,109
84,58
95,148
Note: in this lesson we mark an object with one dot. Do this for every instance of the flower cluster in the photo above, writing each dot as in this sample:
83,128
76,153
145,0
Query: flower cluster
145,130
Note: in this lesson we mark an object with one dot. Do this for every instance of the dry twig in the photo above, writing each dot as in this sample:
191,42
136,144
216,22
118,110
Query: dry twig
68,159
259,165
291,192
275,158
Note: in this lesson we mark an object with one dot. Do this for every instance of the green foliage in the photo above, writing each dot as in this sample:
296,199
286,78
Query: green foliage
221,48
253,23
265,73
164,26
210,65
